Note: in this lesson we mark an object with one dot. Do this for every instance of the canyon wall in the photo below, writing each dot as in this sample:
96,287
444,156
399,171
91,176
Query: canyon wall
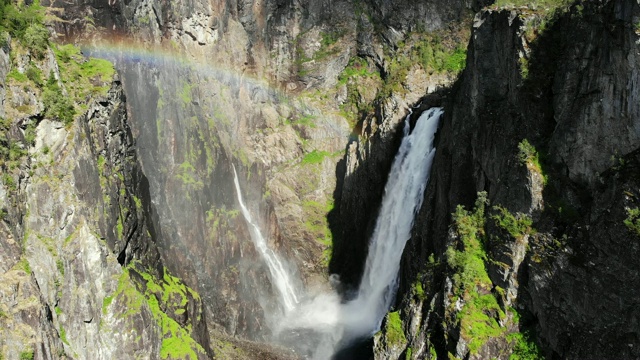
121,233
541,133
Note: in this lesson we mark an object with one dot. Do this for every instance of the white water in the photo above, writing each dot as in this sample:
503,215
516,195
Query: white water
402,200
329,322
279,274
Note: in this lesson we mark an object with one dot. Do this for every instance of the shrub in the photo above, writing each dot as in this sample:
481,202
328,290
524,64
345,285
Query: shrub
633,220
26,355
36,39
516,225
523,347
16,19
529,157
30,134
56,104
34,74
456,61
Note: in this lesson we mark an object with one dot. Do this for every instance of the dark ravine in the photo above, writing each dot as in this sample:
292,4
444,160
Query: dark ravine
120,235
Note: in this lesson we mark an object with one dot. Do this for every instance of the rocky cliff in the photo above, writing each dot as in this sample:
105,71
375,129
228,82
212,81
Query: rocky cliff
81,273
541,133
194,74
120,228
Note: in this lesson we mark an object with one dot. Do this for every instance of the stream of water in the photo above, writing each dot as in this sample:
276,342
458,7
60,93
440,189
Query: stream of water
279,274
326,321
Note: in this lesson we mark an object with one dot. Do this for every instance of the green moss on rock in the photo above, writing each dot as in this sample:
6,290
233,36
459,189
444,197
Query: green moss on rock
393,331
177,342
477,320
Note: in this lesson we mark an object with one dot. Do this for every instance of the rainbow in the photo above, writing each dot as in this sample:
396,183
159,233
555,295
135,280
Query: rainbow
121,49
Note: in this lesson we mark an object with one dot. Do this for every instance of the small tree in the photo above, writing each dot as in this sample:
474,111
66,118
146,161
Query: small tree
36,39
56,104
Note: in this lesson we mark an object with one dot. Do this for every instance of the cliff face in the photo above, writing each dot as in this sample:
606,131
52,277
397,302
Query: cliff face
539,145
81,275
198,103
556,234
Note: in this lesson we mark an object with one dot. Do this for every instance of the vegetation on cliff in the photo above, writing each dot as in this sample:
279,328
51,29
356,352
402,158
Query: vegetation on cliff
167,300
482,315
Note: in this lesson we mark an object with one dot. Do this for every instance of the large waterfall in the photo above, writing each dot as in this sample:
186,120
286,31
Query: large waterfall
402,200
331,322
279,274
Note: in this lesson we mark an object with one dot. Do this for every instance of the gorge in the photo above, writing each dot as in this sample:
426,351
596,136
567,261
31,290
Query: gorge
259,179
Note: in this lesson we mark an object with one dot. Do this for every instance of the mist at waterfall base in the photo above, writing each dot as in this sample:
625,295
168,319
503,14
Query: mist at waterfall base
320,325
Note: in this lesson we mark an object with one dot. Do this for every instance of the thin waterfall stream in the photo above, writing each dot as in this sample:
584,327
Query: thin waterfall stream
279,274
332,323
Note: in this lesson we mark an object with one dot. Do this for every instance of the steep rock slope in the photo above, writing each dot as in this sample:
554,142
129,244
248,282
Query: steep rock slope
541,132
194,79
81,276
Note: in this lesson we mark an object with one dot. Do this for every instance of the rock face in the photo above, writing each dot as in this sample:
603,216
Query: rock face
194,115
121,235
569,93
79,259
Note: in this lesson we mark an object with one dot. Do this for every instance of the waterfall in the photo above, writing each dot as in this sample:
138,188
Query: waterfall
402,199
279,274
321,323
333,323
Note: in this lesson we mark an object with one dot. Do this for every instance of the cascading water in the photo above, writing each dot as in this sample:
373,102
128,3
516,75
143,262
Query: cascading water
279,274
402,200
342,323
329,322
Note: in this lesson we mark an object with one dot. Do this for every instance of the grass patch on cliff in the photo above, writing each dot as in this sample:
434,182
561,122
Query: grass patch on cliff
23,265
632,222
418,290
63,335
189,176
524,348
478,317
158,297
517,225
316,224
393,330
358,67
83,78
26,355
17,76
478,320
314,157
